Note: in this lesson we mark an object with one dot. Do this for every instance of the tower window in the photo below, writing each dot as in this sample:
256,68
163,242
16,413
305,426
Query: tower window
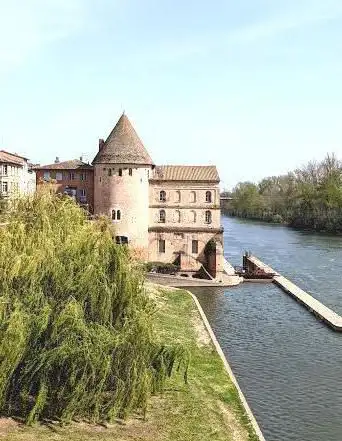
193,216
178,216
192,196
178,196
116,215
130,172
208,217
194,247
162,216
208,196
120,171
162,196
109,172
161,245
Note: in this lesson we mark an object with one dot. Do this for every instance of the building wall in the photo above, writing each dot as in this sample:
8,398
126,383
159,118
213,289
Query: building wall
177,243
17,178
185,204
62,181
127,193
185,207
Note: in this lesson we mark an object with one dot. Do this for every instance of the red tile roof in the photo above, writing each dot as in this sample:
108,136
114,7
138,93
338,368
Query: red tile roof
74,164
12,158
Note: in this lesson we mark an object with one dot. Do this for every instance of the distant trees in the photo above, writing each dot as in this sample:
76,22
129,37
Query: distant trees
309,197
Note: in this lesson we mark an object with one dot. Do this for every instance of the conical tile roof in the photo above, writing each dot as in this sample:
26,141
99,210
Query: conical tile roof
123,146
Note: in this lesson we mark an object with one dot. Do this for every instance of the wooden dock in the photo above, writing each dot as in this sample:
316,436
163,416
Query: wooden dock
313,305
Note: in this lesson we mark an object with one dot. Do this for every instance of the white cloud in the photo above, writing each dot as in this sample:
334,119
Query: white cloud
26,26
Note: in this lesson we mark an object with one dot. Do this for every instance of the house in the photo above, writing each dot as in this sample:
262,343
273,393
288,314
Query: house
169,213
16,177
74,178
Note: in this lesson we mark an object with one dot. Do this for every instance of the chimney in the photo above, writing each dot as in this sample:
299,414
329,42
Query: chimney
81,158
101,144
57,160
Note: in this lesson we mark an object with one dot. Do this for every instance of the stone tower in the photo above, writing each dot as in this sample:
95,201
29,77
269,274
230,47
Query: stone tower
122,169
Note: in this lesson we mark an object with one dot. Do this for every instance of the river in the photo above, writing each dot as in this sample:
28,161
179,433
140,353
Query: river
288,363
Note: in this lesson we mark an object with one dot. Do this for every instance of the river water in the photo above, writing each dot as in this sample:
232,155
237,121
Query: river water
288,364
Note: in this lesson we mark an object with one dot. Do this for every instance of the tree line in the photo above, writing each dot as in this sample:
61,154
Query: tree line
309,197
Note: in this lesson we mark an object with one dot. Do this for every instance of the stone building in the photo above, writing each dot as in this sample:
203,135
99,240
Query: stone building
16,177
167,213
74,178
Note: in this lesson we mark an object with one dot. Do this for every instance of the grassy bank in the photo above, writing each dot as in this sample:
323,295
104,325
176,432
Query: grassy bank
207,408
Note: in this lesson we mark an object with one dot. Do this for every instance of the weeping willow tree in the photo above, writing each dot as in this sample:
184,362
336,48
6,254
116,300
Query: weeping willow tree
76,330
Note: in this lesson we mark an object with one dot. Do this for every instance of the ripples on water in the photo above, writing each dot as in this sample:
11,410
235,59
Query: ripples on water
288,364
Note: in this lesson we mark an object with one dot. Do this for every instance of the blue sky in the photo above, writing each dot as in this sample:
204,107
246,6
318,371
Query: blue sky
253,86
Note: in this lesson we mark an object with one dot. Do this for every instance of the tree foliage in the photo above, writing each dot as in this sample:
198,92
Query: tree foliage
309,197
76,330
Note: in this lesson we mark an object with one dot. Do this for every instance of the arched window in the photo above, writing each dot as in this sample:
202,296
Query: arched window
130,172
162,196
192,196
193,216
208,217
116,215
178,196
177,216
120,171
162,216
208,196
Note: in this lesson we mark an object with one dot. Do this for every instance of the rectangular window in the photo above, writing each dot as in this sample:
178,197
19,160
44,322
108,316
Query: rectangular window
72,176
82,192
83,176
5,168
47,176
5,187
195,247
162,246
59,176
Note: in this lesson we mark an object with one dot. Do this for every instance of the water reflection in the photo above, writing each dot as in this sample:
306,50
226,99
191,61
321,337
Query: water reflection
288,364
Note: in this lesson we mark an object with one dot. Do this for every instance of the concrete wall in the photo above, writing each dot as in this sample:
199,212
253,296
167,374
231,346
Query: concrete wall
129,194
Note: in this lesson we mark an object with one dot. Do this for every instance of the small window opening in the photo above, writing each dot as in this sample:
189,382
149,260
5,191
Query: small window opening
162,216
162,246
195,246
130,172
208,196
208,217
120,171
162,196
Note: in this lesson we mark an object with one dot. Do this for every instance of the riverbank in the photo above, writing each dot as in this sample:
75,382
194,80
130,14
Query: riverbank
208,407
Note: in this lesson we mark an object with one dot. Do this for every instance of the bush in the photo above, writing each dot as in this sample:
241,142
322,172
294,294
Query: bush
76,332
162,268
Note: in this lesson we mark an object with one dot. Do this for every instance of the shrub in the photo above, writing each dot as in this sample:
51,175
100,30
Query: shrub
76,331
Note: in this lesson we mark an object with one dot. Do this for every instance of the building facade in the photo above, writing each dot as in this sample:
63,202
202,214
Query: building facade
16,177
167,213
74,178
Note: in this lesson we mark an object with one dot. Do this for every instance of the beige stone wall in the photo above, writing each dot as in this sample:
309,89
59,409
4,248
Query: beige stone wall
129,194
181,242
185,204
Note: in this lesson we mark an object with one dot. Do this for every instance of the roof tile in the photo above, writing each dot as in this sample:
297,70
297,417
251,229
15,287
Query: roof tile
73,164
123,146
207,173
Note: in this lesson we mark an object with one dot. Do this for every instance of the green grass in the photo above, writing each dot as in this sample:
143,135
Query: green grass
207,408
